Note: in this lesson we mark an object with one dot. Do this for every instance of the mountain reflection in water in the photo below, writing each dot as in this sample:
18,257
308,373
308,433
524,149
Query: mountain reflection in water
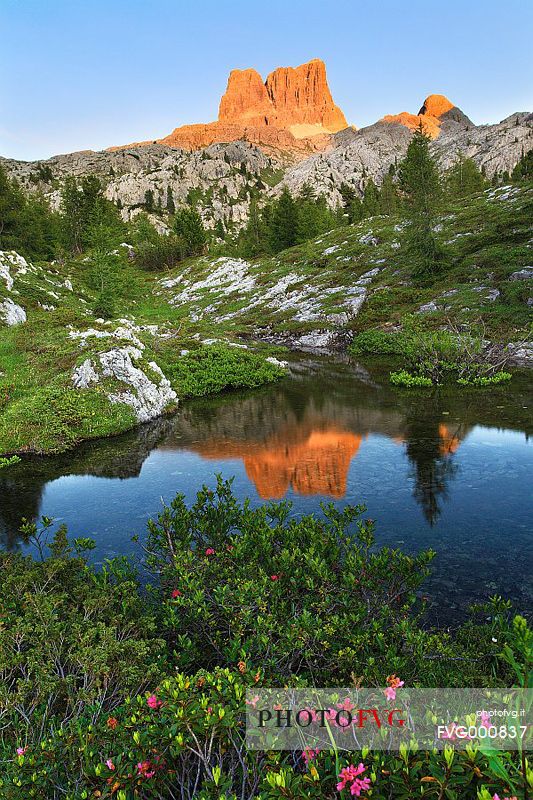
452,461
307,460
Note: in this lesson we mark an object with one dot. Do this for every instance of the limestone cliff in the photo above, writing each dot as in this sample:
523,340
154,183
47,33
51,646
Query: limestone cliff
293,110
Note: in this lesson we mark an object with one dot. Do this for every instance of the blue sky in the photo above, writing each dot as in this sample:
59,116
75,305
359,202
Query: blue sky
80,74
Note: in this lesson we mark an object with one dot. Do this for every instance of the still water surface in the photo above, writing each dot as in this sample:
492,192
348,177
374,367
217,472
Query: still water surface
450,471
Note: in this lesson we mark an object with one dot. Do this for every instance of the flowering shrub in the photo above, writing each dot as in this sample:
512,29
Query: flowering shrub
192,746
70,638
107,693
305,599
432,357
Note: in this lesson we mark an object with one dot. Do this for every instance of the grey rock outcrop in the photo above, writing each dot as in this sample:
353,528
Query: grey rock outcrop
221,177
147,391
11,313
525,274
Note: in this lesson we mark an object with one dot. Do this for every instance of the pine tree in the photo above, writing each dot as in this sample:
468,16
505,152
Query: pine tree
283,223
464,178
149,200
388,199
420,184
189,227
27,224
370,199
355,210
347,193
88,219
313,217
72,215
254,240
10,206
523,171
171,206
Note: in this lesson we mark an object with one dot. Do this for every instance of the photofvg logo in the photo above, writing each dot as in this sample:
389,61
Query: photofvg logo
353,719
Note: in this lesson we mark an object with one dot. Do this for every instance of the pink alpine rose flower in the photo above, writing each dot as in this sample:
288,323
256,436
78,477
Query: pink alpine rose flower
394,683
350,776
153,702
21,750
485,720
145,769
309,755
253,702
210,551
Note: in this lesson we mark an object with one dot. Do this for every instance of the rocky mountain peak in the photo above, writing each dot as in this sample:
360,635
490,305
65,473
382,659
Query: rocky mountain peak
245,99
301,96
435,110
291,98
435,105
293,110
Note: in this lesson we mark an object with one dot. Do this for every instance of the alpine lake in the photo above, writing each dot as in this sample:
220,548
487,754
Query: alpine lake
447,469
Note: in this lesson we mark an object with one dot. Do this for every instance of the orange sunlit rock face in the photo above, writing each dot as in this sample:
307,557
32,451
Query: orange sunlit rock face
449,441
292,110
310,462
436,105
429,115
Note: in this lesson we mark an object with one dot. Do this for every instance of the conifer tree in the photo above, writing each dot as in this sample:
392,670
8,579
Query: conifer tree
283,223
73,215
388,198
370,199
523,171
355,210
27,224
149,200
171,206
464,178
11,203
420,184
189,227
254,239
219,230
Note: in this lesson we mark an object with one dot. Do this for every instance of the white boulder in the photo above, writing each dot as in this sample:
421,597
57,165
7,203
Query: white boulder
11,313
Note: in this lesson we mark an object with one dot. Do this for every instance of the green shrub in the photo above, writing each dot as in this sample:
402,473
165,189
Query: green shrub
191,745
163,253
376,342
71,638
308,597
91,704
486,380
404,378
434,356
8,462
104,305
214,368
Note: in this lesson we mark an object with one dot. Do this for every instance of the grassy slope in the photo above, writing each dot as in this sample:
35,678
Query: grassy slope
300,290
487,238
40,411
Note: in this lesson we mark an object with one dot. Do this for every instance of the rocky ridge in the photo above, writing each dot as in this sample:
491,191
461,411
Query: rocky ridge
285,131
293,110
369,152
